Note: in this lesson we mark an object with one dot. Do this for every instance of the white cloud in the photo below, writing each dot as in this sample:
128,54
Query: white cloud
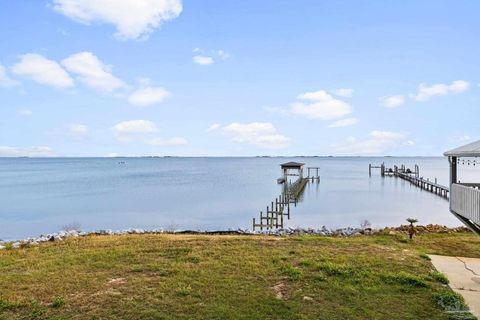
320,105
377,143
213,127
76,130
26,152
92,72
426,92
343,92
42,70
392,101
208,57
5,80
127,131
147,96
25,112
262,134
203,60
343,123
175,141
133,18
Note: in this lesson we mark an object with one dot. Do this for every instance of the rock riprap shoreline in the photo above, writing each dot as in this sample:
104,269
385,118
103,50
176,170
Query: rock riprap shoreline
342,232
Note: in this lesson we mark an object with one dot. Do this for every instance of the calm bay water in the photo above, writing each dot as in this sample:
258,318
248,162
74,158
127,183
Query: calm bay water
42,195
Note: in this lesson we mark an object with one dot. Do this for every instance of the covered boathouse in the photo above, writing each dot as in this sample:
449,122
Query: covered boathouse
465,197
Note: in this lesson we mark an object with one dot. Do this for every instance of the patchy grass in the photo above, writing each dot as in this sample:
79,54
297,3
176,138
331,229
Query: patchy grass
425,256
438,276
405,278
230,277
453,304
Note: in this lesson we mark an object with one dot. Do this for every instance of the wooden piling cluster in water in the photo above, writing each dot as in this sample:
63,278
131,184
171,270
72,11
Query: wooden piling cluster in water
313,177
413,177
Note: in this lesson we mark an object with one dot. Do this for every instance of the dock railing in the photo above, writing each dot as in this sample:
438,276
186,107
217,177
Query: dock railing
465,201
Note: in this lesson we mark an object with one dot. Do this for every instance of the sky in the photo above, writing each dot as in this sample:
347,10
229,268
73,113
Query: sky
238,78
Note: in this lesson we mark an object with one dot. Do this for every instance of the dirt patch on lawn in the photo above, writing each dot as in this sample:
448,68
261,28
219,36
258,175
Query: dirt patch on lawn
280,290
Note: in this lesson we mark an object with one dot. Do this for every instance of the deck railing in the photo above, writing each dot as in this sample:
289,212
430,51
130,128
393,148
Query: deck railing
465,201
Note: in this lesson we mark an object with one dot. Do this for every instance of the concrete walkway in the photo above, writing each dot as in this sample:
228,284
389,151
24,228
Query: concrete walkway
464,276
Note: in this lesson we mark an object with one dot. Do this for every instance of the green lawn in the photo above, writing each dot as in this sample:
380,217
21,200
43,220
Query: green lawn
229,277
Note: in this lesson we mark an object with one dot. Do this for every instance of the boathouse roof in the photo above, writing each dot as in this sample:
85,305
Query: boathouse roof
468,150
292,165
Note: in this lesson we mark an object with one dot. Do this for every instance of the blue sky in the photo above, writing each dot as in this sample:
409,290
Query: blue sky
233,78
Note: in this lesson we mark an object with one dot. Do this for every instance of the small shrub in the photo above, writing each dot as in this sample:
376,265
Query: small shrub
425,256
411,229
438,276
58,303
184,291
404,240
365,224
405,279
291,273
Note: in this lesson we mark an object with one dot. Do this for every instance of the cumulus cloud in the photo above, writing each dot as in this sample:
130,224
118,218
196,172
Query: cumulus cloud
5,80
26,152
171,142
262,134
42,70
127,131
426,92
343,92
320,105
392,101
378,142
147,96
203,60
133,19
343,123
207,57
92,72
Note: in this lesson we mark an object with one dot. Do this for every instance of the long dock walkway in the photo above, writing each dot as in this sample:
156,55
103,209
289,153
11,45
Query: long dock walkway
414,178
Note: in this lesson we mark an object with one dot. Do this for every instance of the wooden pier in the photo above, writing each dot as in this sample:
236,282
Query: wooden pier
412,176
275,213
